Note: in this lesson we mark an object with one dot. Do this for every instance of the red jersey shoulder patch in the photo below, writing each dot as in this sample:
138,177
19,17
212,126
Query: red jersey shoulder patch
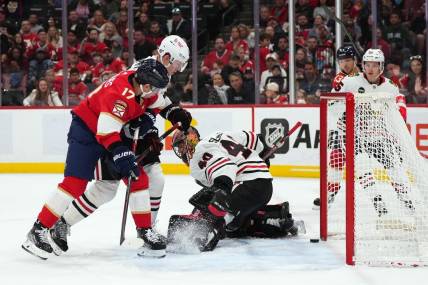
337,81
119,108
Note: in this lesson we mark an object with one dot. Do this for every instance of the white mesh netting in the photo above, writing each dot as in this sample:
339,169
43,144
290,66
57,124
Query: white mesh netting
391,183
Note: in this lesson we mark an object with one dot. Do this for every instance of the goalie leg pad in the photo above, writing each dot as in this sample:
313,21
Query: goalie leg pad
194,232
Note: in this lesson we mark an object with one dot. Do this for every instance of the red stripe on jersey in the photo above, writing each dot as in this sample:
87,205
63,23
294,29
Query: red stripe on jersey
252,140
84,206
155,203
252,166
217,165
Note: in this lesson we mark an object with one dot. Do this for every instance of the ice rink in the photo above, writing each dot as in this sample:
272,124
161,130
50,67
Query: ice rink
95,256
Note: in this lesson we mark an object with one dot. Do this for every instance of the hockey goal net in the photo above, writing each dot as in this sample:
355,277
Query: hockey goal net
374,182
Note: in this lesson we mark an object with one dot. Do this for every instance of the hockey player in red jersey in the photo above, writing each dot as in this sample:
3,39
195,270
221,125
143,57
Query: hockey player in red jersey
346,56
95,129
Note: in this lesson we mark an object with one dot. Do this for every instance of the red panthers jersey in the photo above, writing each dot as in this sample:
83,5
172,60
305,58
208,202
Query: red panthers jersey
111,105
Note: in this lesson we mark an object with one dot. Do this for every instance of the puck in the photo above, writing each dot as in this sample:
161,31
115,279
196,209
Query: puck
314,240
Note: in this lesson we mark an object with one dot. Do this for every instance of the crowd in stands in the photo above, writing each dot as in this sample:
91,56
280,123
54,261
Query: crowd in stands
97,39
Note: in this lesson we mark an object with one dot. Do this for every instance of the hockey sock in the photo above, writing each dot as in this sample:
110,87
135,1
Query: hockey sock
55,207
139,203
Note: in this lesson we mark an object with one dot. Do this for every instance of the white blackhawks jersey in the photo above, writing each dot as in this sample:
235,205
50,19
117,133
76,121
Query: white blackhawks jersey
359,84
234,154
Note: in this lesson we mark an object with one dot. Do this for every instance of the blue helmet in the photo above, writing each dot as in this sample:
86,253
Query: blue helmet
346,52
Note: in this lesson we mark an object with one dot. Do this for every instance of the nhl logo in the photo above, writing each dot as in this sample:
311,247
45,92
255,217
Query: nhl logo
274,132
274,129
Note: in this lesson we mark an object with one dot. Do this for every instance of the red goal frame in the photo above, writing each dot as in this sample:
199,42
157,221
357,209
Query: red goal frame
349,170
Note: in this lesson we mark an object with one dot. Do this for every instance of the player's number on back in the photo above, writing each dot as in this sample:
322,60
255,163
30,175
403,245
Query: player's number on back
205,157
235,149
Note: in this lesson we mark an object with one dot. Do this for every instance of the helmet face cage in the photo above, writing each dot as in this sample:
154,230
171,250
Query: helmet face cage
184,144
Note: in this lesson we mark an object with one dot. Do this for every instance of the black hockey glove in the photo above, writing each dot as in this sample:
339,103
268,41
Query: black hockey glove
124,159
151,139
176,114
220,203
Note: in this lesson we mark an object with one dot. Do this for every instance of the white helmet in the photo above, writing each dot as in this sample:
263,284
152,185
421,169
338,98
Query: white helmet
375,55
177,48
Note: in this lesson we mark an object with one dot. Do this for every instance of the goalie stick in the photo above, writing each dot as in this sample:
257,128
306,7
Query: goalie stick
128,186
282,140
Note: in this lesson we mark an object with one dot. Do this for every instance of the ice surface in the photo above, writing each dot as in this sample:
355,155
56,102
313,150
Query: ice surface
95,256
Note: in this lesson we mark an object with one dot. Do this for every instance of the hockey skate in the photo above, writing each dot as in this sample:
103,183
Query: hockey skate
37,242
154,243
58,237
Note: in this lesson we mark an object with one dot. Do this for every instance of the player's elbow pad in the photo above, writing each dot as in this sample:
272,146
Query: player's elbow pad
224,182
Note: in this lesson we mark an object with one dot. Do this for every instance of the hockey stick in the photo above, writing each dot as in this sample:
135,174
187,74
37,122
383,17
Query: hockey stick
128,191
332,15
282,140
128,186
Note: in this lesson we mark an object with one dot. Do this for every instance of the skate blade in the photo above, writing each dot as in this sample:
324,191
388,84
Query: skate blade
29,247
147,252
56,249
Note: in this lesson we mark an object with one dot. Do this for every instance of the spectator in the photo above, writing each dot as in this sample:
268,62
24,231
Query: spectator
397,34
320,10
38,67
300,97
264,50
43,44
280,11
264,15
180,26
109,34
271,62
318,21
18,42
142,47
90,45
415,81
304,8
84,8
246,34
236,41
34,22
73,61
246,66
77,90
324,36
311,82
271,95
219,53
232,66
155,34
109,7
187,94
239,92
143,23
14,68
10,27
312,47
53,83
122,24
277,78
42,96
97,20
28,36
220,87
417,26
109,63
281,49
54,38
382,44
76,25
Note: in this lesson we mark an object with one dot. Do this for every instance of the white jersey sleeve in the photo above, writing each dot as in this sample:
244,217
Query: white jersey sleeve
221,155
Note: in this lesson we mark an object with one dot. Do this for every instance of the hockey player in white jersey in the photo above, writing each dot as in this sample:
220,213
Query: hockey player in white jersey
382,148
237,182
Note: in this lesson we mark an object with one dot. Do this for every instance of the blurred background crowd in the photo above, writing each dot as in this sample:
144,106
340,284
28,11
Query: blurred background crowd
97,36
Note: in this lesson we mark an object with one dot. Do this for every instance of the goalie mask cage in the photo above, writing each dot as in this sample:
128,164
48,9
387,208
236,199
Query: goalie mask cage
373,181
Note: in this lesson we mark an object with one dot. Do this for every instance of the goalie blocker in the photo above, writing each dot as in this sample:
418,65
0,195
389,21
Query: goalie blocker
202,230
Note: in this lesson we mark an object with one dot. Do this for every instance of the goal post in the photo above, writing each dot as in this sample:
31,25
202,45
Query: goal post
373,181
